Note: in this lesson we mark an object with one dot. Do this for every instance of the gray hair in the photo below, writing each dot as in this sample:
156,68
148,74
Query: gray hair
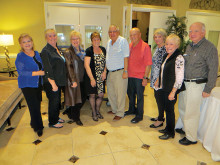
115,26
161,32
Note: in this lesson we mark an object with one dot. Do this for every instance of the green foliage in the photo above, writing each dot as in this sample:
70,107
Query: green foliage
177,25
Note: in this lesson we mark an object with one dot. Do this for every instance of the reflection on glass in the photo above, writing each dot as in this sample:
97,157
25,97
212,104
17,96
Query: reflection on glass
63,35
89,29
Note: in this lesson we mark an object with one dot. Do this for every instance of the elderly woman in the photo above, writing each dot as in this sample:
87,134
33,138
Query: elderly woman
159,38
55,76
170,83
96,71
75,89
29,67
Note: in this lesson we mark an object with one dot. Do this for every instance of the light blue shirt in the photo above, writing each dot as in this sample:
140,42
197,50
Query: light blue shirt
116,53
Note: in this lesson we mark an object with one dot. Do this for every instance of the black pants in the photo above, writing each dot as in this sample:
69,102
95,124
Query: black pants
160,106
135,88
54,103
33,98
168,106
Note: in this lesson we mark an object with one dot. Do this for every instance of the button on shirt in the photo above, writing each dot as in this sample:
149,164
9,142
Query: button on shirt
201,61
116,53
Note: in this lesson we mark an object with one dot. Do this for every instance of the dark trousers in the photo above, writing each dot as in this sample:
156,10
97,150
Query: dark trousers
33,98
54,103
168,106
135,88
160,106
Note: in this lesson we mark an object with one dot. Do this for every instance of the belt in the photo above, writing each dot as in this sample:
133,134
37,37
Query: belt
116,70
198,81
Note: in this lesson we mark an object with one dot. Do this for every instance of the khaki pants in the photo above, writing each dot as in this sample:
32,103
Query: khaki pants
117,89
189,108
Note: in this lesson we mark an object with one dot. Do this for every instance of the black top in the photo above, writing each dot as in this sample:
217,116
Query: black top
54,65
169,76
40,67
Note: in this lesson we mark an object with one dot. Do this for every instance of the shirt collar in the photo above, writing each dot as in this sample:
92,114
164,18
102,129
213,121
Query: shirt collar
138,44
50,47
198,44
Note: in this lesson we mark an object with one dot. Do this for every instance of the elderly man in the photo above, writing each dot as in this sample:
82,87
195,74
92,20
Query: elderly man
117,63
201,68
139,65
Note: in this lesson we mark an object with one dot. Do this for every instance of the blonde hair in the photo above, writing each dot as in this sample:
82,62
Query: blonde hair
47,31
22,36
94,35
175,38
161,32
77,34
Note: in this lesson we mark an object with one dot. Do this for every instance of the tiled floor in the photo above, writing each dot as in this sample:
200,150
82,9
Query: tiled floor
122,145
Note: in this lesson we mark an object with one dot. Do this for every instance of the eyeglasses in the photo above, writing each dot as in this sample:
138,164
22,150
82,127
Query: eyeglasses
74,38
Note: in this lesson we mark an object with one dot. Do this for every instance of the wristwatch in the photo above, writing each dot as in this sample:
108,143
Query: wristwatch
146,78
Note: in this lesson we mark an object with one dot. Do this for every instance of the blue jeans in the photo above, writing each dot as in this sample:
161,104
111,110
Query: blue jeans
135,89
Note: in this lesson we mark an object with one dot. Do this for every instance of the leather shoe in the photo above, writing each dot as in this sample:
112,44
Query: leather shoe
154,119
110,112
153,126
40,133
185,141
116,118
136,120
180,131
163,131
166,136
78,122
128,113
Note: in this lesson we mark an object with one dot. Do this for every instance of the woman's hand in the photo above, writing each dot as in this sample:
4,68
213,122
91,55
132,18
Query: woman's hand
54,88
74,85
93,82
171,96
103,76
156,84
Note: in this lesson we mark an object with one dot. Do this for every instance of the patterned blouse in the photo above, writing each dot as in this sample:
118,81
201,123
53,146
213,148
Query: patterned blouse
157,61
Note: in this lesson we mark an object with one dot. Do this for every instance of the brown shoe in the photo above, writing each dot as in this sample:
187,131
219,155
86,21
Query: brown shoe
116,118
110,112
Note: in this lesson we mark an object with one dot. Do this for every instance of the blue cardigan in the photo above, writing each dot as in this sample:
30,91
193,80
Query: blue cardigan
25,66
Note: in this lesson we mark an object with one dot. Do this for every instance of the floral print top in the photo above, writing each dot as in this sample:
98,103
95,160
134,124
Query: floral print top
157,61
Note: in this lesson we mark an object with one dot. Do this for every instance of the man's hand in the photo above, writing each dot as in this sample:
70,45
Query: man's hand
125,75
204,94
144,82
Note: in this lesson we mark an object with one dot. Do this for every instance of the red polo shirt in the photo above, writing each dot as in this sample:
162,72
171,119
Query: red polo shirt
140,57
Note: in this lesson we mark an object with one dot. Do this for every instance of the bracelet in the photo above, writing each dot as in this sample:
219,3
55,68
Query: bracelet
125,71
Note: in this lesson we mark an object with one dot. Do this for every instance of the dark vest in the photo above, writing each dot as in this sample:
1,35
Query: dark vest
169,73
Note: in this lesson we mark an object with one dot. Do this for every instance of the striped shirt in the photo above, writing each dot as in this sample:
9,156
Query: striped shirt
116,53
201,61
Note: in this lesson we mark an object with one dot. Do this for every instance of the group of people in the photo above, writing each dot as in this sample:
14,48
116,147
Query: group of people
126,67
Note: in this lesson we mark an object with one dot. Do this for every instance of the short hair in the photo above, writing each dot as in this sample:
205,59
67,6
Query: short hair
202,24
77,34
115,26
25,35
94,35
47,31
175,38
161,32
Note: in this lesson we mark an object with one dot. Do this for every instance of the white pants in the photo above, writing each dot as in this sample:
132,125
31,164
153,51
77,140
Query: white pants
117,89
189,108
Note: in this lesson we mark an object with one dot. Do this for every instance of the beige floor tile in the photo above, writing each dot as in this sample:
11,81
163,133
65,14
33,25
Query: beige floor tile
169,154
106,159
18,154
134,157
56,148
90,144
62,163
123,138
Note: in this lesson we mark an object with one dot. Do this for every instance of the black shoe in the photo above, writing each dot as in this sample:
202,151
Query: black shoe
154,119
40,133
180,131
128,113
99,115
78,122
185,141
163,131
153,126
136,120
95,118
166,136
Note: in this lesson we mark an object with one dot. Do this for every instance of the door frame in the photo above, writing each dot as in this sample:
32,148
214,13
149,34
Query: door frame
141,9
